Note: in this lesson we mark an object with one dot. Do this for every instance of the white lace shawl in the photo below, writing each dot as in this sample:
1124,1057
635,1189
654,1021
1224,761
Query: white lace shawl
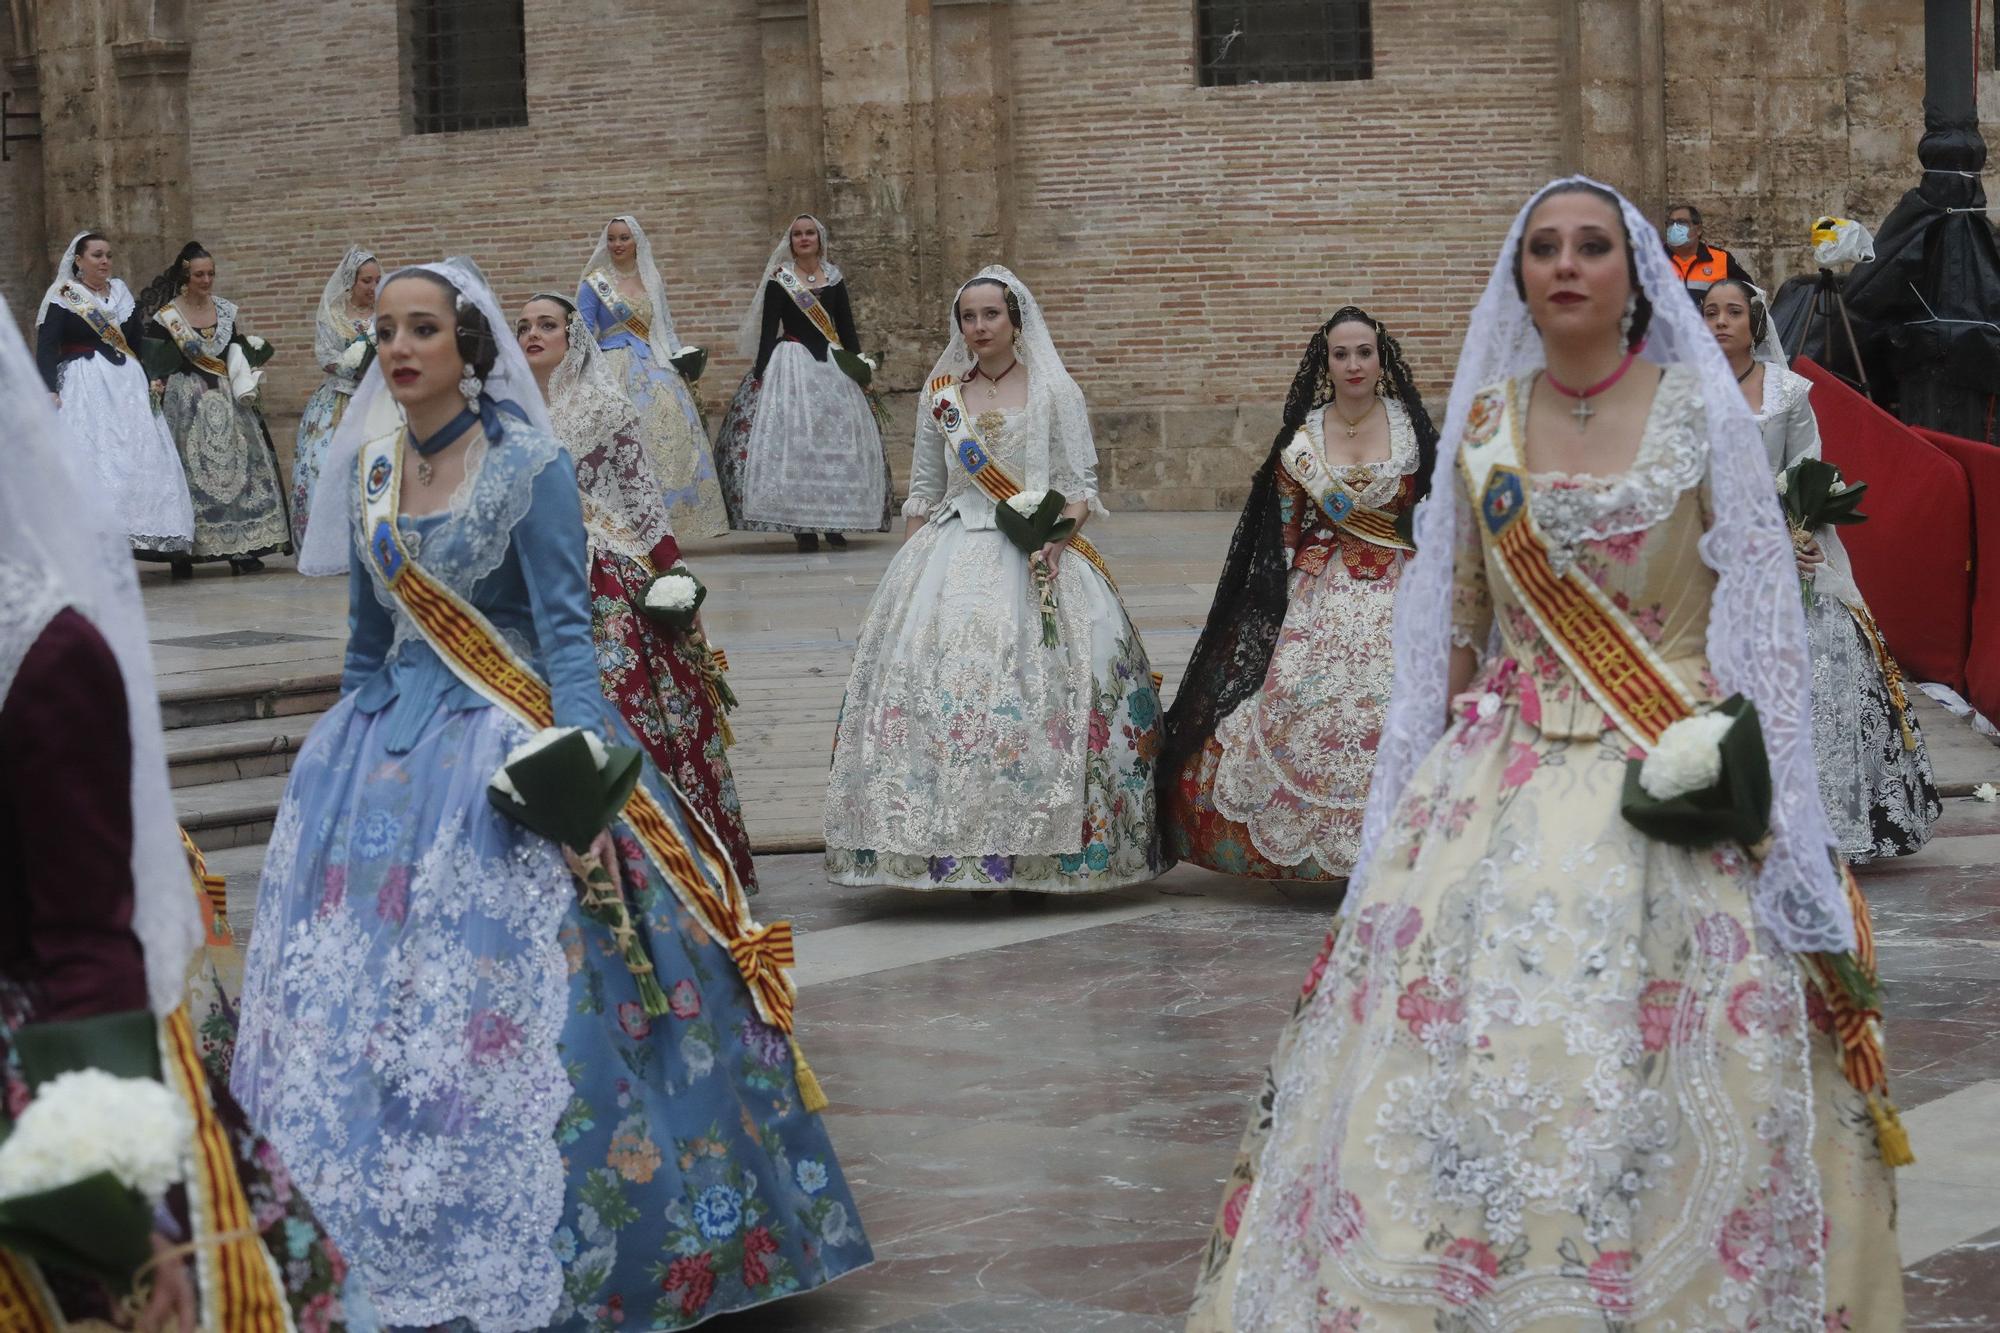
333,329
1756,631
666,344
1056,416
596,422
71,553
751,331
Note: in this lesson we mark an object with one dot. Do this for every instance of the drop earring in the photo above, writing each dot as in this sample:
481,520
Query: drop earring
469,388
1625,321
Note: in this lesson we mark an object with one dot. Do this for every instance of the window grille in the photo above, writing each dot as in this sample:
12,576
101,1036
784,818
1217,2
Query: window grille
468,65
1282,41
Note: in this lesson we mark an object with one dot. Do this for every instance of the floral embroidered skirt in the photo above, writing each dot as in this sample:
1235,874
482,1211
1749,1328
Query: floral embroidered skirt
453,1059
676,444
1278,791
1879,792
316,426
1546,1076
970,756
653,675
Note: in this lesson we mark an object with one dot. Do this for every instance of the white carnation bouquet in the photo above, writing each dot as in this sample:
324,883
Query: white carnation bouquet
83,1166
1031,520
1706,780
355,358
690,361
673,597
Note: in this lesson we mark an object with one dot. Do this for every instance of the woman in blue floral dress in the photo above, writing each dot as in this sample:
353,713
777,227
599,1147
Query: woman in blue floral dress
453,1055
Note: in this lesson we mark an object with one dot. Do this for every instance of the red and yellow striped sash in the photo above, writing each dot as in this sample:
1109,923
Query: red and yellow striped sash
211,891
241,1289
948,407
619,307
1599,644
189,342
78,302
26,1304
1303,460
476,654
809,305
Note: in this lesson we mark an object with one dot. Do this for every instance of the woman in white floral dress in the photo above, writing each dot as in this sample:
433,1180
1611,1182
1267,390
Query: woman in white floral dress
1552,1072
971,753
1271,740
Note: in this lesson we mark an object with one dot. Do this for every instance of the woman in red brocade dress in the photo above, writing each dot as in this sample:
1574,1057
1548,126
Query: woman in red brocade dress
665,682
1271,739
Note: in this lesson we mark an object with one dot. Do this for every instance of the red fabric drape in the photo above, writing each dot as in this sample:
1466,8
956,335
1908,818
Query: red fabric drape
1913,557
1982,660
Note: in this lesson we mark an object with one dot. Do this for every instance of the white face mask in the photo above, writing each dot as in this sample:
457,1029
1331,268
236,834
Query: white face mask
1677,233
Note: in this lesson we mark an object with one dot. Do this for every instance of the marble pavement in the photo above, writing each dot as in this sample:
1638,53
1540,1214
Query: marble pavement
1036,1102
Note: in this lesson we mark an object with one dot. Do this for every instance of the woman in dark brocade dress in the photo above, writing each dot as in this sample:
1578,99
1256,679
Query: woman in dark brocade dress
658,677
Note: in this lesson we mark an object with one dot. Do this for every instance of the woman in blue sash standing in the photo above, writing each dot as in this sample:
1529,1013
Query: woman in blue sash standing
624,301
800,448
509,1109
87,337
1271,740
1594,1044
1002,722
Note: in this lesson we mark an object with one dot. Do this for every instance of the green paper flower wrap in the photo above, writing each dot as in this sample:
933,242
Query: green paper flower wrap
1816,496
673,598
1734,804
1032,521
690,362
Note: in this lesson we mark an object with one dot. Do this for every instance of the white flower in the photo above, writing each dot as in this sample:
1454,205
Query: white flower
870,361
534,745
1784,482
351,358
1987,792
1687,758
671,592
256,344
88,1121
1026,503
1489,704
687,349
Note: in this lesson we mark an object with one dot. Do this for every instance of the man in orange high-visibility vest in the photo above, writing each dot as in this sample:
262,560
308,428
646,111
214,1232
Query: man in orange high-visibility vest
1700,266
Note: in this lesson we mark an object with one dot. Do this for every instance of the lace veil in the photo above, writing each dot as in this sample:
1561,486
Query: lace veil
334,329
58,548
599,426
664,341
1056,413
1756,630
1234,651
511,381
751,330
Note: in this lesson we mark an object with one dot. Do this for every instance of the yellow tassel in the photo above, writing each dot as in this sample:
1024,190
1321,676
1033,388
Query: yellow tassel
813,1097
1909,737
1889,1132
721,715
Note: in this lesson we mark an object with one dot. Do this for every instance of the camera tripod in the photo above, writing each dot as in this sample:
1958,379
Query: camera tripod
1827,302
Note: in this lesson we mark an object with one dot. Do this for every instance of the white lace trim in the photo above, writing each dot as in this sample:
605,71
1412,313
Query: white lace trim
1373,484
1575,507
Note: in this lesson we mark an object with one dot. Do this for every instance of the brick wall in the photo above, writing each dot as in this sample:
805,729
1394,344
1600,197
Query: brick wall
1186,241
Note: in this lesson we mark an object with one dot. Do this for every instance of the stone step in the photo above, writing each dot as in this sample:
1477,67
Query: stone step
240,868
255,747
236,813
262,695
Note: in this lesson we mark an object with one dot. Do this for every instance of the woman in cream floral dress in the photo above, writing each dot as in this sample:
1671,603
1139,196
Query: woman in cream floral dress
1552,1073
1271,740
970,754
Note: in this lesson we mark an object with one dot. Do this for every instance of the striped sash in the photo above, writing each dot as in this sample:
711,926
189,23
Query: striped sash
190,342
809,305
1307,465
477,655
79,303
1600,645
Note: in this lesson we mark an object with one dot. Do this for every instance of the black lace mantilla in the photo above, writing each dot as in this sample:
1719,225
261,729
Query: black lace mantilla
1235,647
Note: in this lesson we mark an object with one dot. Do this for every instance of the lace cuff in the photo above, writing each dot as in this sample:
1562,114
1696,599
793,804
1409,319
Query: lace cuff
1094,505
917,507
